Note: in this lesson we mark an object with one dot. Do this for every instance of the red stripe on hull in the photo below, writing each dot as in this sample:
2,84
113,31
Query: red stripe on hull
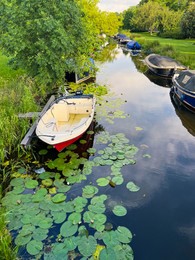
63,145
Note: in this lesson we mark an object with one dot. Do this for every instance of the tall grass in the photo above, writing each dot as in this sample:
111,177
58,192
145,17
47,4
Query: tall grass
15,97
7,250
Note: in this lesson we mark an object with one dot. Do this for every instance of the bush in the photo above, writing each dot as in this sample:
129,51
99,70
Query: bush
175,34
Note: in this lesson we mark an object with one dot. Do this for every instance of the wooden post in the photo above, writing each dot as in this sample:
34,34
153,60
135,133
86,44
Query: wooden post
27,138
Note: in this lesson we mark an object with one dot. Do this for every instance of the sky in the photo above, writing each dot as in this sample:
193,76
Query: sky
116,5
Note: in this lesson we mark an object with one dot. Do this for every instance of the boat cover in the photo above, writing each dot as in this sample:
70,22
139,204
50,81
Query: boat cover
133,45
121,36
186,79
162,61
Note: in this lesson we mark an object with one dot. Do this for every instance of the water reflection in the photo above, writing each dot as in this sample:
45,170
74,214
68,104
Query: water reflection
187,118
160,213
160,81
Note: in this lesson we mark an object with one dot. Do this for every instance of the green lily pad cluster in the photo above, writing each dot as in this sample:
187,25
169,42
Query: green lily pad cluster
116,154
38,205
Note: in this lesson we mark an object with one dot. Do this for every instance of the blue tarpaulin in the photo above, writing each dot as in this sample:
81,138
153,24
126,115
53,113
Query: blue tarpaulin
133,45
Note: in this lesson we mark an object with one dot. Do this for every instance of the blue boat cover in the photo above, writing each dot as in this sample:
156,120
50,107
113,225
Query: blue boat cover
120,35
186,79
133,45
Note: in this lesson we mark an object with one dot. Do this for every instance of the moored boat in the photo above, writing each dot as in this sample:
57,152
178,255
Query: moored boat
184,88
66,120
133,45
162,65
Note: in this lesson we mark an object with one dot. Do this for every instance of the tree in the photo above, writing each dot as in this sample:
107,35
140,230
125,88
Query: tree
148,17
188,22
153,16
46,38
171,4
127,17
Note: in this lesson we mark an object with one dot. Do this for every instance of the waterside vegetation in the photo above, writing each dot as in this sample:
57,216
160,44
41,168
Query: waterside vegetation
37,70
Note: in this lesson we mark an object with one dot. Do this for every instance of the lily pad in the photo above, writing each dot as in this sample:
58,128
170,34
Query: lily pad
132,186
68,229
89,191
75,218
118,180
34,247
47,182
31,184
87,245
119,211
58,198
107,254
102,181
124,235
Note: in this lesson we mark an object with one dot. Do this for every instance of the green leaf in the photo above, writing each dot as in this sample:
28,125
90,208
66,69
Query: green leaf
43,152
58,217
75,218
119,211
102,181
40,234
22,240
46,223
123,234
89,191
132,186
34,247
68,229
87,245
58,198
118,180
17,182
31,184
107,254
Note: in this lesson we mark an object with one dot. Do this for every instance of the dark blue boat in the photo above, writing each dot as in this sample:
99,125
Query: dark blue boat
133,45
184,88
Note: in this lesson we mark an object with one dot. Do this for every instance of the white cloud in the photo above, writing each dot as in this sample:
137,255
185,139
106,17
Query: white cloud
116,5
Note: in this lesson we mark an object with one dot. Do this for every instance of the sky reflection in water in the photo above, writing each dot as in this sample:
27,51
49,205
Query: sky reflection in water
162,213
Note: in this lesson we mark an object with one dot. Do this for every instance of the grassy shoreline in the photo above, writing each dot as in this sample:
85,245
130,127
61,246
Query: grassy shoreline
182,50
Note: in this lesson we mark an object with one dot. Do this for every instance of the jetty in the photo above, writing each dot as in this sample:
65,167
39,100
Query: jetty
30,133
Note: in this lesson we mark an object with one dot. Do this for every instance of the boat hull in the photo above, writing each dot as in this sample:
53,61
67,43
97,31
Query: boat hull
168,73
185,98
61,146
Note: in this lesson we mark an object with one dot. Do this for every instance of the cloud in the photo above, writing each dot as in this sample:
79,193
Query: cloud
116,6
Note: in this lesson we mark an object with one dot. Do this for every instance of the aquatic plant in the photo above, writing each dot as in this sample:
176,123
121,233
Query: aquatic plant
74,218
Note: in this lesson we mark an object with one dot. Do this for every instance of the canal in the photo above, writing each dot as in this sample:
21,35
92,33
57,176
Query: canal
162,214
137,180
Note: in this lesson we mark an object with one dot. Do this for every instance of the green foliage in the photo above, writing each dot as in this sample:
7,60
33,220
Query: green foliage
16,97
188,22
42,37
172,4
181,50
153,16
8,252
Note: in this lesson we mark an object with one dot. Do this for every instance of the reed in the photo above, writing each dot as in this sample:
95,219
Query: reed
7,250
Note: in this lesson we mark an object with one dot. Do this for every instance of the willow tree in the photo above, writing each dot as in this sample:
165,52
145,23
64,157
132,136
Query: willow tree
46,38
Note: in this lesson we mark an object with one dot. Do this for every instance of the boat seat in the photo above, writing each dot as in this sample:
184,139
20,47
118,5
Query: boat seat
81,108
60,112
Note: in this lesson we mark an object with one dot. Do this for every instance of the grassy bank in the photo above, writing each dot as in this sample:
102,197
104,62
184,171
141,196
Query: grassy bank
182,50
17,95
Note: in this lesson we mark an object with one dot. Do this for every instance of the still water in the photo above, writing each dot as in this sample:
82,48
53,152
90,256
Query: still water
162,214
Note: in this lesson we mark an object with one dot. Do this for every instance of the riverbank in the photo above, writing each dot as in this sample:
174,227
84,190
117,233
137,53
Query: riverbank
182,50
